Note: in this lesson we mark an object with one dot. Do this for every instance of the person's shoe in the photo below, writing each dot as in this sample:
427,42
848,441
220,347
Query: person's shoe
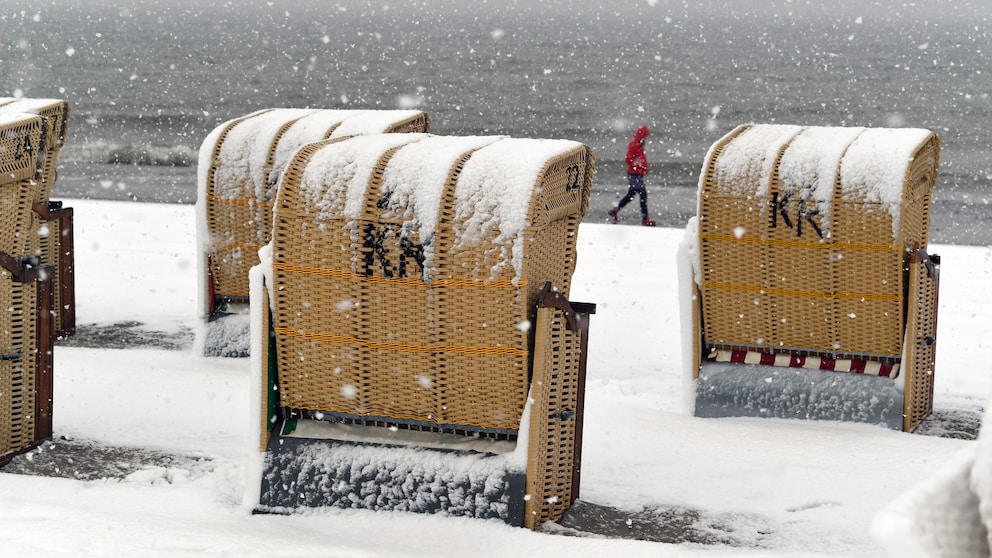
613,214
647,222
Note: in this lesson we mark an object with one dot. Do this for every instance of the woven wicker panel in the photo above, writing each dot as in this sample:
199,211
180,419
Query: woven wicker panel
735,291
920,181
924,283
738,304
238,198
21,141
22,138
39,239
56,114
224,216
17,367
374,319
249,158
334,275
551,445
781,270
562,193
17,220
13,430
869,300
44,241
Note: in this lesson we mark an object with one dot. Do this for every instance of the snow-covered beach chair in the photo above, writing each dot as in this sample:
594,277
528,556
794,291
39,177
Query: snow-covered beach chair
240,165
52,240
26,328
414,344
811,294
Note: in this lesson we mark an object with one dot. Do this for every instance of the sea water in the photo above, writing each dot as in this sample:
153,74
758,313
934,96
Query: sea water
149,79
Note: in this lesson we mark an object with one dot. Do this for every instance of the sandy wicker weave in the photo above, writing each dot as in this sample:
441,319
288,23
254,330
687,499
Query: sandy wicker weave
18,342
552,437
368,325
924,279
768,283
23,141
56,113
46,239
243,169
21,136
22,156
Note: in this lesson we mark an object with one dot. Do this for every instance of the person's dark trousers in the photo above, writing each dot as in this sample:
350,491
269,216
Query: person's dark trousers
636,186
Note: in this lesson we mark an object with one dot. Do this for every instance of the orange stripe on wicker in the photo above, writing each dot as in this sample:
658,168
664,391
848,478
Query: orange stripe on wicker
342,274
401,347
799,293
797,244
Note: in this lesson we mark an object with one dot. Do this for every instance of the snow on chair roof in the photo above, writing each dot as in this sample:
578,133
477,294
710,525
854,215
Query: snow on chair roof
809,165
820,164
310,128
335,179
363,122
495,190
415,182
876,167
244,153
746,165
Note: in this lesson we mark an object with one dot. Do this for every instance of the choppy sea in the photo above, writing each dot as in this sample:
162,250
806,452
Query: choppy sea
149,79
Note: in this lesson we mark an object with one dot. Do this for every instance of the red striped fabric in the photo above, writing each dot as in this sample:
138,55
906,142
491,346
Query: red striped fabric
857,366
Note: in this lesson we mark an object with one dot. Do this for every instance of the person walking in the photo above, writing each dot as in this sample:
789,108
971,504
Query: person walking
637,167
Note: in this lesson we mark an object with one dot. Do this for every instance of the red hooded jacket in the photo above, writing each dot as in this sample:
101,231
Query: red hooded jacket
637,161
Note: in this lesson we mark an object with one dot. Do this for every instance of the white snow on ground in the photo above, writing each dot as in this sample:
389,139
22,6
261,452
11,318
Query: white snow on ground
813,489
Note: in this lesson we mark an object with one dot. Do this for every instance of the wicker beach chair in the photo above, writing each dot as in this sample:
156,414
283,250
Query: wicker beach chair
26,330
813,293
52,239
420,292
